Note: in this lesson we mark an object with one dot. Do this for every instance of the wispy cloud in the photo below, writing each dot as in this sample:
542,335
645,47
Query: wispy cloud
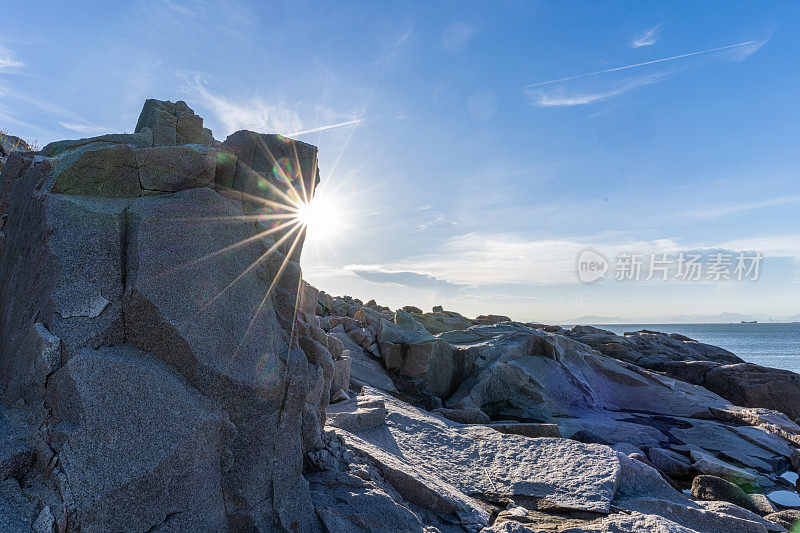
787,245
8,60
488,260
185,9
84,128
731,209
253,113
645,63
561,98
245,113
648,38
456,36
68,119
740,54
413,280
432,218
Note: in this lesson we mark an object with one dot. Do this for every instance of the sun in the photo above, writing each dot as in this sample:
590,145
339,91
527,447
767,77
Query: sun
318,216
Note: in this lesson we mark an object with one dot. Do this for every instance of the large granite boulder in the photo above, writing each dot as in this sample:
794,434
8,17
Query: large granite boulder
522,373
752,385
553,484
421,362
437,323
149,323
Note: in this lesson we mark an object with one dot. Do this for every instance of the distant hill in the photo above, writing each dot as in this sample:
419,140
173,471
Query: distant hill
721,318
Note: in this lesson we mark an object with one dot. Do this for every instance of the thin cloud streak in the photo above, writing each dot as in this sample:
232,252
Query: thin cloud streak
562,100
637,65
325,128
648,38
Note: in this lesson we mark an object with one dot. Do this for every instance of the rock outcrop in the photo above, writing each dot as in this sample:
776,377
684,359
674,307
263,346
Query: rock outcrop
711,367
489,383
148,324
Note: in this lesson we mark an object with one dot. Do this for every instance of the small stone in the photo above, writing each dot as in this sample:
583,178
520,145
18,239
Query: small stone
763,504
788,518
339,396
492,319
627,448
587,437
45,521
641,458
713,488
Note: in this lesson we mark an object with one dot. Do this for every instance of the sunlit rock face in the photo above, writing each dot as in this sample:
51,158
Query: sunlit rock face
149,320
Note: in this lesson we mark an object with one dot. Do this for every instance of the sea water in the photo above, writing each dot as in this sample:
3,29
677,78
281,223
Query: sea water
766,344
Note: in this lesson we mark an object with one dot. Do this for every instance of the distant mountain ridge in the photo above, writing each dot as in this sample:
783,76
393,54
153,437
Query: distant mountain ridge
722,318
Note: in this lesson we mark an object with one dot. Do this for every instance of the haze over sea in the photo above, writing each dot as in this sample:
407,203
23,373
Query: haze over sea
769,344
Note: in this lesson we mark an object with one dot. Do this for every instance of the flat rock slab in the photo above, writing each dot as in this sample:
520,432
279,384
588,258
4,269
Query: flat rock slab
481,461
750,446
736,511
706,463
649,523
613,431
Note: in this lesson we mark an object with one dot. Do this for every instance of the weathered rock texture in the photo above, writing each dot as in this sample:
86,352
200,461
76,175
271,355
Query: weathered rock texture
717,370
487,393
149,325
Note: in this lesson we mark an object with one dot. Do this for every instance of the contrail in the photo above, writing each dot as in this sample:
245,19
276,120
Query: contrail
323,128
626,67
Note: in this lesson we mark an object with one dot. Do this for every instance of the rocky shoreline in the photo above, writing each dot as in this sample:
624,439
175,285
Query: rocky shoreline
164,367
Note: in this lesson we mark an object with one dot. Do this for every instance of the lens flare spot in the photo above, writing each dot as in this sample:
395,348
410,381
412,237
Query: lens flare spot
284,171
267,216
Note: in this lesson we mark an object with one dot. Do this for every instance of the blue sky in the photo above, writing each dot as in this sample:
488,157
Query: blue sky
455,174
